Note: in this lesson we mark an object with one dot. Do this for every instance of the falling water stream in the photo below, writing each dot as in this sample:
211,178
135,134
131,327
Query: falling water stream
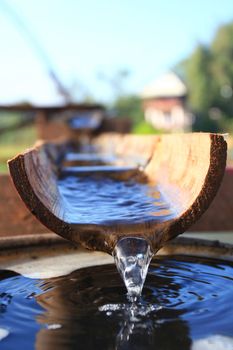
132,258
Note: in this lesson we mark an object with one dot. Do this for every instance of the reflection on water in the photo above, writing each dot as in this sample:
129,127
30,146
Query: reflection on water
184,299
103,200
95,313
18,310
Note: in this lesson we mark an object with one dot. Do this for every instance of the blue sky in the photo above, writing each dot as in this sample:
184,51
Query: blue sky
86,38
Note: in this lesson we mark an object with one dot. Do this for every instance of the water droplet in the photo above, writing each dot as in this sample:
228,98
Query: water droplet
54,326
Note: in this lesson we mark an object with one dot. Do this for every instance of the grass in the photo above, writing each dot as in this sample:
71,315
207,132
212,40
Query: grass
12,143
144,128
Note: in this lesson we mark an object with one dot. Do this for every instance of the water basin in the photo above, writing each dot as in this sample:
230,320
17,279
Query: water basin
89,307
184,304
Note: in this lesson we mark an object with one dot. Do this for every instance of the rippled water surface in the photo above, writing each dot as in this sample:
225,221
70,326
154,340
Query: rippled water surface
184,299
103,200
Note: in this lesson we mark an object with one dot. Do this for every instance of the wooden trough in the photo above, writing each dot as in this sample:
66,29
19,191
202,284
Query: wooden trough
187,169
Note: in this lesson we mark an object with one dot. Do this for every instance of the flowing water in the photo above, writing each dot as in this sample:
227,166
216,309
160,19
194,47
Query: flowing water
185,303
132,258
105,200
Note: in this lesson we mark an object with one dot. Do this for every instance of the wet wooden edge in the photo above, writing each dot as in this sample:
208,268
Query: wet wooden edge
31,240
40,245
101,237
198,247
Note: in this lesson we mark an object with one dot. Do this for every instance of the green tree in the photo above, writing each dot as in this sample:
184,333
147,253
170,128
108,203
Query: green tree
208,73
124,104
199,80
222,68
129,106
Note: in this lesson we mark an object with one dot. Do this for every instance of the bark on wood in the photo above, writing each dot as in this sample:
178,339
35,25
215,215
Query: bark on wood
188,168
15,219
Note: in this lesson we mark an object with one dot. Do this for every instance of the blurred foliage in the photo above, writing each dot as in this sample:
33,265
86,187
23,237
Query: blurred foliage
7,120
144,128
208,73
129,106
14,142
126,105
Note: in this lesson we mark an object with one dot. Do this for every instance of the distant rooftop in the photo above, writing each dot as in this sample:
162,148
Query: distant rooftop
167,85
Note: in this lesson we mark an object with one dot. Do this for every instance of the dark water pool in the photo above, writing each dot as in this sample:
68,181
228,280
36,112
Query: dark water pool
183,300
